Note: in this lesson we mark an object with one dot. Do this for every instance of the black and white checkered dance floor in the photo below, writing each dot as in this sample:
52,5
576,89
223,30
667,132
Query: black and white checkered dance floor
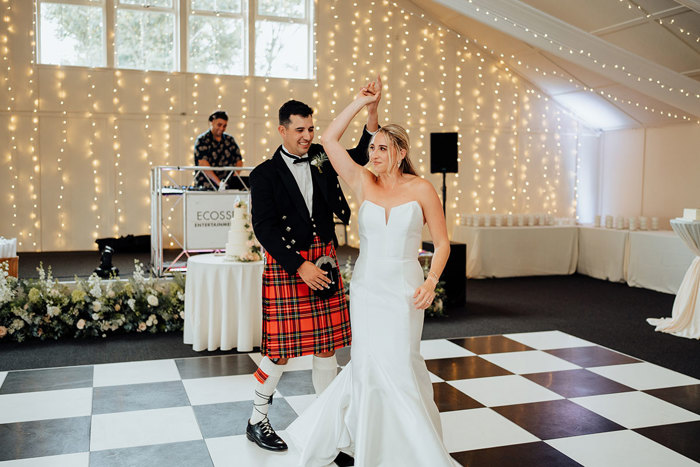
529,399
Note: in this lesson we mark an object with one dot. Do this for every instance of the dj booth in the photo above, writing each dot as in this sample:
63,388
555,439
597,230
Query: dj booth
189,219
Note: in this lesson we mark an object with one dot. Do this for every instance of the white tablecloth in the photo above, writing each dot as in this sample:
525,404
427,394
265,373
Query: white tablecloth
601,253
223,304
685,317
657,260
519,251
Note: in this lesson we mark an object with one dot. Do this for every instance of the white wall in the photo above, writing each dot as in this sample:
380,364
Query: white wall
81,141
652,172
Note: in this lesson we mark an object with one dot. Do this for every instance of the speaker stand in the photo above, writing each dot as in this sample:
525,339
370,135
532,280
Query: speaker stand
444,193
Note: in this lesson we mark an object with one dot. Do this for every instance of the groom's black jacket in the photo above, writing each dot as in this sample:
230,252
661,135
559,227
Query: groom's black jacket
281,219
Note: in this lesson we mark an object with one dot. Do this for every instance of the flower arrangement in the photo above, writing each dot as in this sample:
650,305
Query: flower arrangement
254,248
318,160
436,309
46,309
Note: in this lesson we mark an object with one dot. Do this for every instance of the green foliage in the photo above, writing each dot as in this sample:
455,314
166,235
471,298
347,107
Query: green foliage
216,45
45,309
145,40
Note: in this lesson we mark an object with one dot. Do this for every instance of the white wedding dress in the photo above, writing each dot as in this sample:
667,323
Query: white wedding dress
380,407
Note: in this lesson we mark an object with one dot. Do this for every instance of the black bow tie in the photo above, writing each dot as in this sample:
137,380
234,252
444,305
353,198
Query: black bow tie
297,159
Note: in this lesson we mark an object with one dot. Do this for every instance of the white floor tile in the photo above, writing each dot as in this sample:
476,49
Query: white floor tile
80,459
504,390
153,371
220,389
435,378
237,451
143,427
644,376
300,403
45,405
3,375
442,348
546,340
531,361
464,430
635,409
298,363
619,449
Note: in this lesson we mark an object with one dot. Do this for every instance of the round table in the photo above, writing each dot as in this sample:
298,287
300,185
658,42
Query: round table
685,317
223,303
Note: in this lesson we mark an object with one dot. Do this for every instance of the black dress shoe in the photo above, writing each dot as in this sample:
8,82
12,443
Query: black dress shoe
344,460
264,436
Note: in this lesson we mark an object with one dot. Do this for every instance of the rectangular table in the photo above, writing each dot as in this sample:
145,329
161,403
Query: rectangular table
657,260
601,253
519,251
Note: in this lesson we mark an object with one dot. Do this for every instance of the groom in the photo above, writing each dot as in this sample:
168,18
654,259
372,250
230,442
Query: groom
294,196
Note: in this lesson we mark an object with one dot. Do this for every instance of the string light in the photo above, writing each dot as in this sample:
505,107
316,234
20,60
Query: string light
405,47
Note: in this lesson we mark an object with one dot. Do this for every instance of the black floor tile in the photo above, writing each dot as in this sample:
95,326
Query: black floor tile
556,419
296,383
129,397
577,383
592,356
680,437
185,454
490,344
226,365
454,368
231,418
687,397
44,438
448,398
517,455
51,379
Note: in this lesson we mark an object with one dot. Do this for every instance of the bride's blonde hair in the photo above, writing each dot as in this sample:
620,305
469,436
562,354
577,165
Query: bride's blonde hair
398,139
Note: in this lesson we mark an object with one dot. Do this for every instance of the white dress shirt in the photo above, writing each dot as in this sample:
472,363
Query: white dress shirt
302,175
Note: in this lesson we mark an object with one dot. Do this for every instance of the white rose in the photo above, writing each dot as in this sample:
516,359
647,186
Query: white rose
111,294
132,303
152,300
81,323
96,306
53,311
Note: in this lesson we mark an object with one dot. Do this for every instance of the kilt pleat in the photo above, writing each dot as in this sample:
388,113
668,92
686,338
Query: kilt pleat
295,321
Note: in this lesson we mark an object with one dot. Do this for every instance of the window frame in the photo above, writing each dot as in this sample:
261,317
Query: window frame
182,9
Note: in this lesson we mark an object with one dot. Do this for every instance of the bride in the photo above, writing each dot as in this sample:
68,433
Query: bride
380,408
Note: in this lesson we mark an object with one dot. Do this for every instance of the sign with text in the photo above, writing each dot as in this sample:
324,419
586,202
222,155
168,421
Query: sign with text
208,217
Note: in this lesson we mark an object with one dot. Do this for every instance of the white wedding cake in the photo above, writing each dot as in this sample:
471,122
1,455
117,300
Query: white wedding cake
239,235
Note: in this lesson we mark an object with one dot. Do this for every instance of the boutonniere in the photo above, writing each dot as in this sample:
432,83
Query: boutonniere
318,160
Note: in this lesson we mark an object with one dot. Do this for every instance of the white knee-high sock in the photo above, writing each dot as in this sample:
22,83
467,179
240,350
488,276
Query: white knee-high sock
268,375
323,372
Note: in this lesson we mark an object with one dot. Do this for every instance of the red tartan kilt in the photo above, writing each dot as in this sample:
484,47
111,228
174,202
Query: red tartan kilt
295,321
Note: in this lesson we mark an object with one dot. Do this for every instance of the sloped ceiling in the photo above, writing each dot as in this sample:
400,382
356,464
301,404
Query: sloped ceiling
650,48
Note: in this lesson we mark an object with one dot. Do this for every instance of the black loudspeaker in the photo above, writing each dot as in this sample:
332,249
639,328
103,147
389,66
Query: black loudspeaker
455,273
443,153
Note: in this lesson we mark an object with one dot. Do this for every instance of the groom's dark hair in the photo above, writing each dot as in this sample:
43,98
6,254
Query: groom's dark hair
293,107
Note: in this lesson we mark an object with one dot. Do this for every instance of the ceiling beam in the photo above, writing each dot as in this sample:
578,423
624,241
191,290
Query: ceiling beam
550,34
692,4
640,20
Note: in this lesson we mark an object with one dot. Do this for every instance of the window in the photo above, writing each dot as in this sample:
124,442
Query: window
238,37
72,33
145,34
283,38
218,37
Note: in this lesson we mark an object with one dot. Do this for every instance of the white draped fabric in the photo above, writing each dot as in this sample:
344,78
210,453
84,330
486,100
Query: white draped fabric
685,317
657,261
601,253
223,304
519,251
